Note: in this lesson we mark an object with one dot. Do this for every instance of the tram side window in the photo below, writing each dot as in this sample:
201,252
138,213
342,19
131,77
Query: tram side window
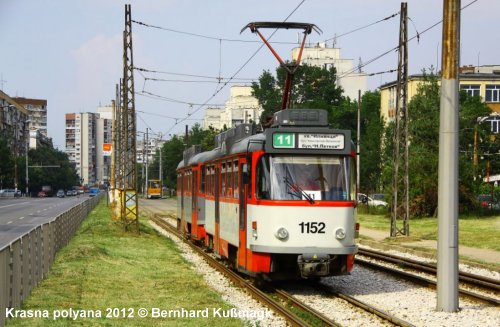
212,180
223,180
236,180
207,179
202,180
263,179
249,169
229,187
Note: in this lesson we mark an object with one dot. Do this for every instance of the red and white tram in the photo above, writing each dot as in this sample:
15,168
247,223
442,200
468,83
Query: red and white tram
280,204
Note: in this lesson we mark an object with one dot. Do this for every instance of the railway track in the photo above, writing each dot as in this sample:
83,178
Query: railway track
256,293
484,283
286,301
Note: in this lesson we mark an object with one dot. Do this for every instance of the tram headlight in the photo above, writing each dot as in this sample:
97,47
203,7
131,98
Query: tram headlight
281,234
340,233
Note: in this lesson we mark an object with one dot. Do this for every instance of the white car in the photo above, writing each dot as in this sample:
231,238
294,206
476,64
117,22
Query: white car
363,198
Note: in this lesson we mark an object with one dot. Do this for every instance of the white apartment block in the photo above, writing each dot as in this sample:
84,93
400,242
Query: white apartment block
242,107
148,153
104,124
349,77
81,144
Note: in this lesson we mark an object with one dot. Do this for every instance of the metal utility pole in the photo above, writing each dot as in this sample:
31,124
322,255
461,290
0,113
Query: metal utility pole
118,151
400,185
112,192
147,162
447,266
130,205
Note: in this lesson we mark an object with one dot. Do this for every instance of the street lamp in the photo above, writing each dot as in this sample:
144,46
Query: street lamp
27,150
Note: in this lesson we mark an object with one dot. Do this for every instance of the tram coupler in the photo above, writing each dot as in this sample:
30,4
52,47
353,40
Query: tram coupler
314,265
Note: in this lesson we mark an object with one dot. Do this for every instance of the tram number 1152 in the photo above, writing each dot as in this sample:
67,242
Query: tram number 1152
312,228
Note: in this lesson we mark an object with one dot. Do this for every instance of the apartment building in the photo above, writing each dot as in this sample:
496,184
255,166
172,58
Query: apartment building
349,77
14,123
482,81
37,111
81,144
241,107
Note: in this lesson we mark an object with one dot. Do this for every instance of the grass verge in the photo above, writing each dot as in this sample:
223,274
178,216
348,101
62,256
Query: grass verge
478,232
105,267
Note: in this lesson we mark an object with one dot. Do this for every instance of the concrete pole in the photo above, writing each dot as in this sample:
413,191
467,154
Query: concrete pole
146,147
161,176
358,142
447,267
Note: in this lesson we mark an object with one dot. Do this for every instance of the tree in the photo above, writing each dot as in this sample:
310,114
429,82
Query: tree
62,177
6,164
313,87
172,151
424,120
372,128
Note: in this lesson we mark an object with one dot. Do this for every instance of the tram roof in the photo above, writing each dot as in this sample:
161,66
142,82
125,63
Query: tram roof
248,144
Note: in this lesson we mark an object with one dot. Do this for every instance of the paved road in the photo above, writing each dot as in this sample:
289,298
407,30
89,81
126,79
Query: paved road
18,216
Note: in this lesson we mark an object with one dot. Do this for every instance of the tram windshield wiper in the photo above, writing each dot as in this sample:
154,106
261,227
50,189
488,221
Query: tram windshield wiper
297,190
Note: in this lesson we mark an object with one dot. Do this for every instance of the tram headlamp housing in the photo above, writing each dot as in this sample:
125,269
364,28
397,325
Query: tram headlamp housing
340,233
281,234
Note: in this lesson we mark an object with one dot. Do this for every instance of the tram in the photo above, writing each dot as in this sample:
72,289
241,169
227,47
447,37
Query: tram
278,203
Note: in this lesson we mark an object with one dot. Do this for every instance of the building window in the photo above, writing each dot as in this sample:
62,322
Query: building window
495,125
471,89
492,93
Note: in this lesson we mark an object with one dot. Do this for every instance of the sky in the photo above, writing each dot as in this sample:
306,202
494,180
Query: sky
69,52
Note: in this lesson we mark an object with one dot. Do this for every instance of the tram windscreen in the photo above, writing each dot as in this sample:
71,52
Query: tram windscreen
313,178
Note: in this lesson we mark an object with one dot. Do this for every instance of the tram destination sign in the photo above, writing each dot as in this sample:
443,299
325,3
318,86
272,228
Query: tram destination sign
308,141
321,141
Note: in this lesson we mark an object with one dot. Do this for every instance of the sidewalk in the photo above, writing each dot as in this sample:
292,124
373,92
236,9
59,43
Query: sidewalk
488,256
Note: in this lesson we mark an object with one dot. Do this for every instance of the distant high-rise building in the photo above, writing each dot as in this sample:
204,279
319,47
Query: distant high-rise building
103,136
38,113
81,143
349,77
242,107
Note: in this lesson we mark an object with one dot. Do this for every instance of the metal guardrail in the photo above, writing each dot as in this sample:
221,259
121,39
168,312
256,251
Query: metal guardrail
27,260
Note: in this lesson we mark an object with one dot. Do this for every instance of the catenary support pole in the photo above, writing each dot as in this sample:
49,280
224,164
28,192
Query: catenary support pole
447,267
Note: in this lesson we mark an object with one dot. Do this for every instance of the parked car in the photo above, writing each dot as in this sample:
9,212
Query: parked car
41,194
378,196
69,193
363,198
10,193
488,201
60,194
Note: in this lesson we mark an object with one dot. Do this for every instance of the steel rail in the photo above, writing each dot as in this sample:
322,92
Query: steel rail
476,280
290,298
425,281
257,294
369,308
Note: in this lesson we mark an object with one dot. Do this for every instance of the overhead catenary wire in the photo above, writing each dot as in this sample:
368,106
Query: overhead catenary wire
417,36
139,69
239,70
362,27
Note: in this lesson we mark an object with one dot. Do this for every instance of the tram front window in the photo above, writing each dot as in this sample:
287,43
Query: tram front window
313,178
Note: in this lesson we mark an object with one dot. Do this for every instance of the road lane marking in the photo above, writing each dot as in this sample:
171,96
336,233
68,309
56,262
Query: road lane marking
21,218
9,222
15,204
